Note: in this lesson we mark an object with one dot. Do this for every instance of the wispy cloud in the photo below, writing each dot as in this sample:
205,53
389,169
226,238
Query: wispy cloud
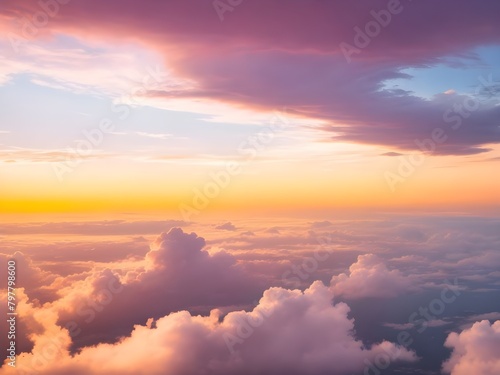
31,155
154,135
246,70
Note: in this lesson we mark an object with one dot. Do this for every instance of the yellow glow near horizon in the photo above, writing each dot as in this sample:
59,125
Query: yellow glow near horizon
281,187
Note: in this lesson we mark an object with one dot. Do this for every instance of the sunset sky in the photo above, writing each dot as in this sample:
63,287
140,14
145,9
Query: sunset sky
182,92
138,137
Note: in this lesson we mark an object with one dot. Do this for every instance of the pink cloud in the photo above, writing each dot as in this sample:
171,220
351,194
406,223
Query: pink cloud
475,350
267,54
370,277
177,274
35,281
288,331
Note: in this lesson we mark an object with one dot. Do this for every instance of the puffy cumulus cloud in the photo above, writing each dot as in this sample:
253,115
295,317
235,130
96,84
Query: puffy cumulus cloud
36,327
476,350
26,325
35,281
289,331
177,274
170,248
370,277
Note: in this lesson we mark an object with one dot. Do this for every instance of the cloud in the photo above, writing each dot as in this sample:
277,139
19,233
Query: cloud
35,281
369,277
94,228
437,323
154,135
25,326
391,154
176,274
321,224
226,226
92,71
400,326
289,331
475,350
470,320
179,272
273,230
408,326
487,316
24,155
244,68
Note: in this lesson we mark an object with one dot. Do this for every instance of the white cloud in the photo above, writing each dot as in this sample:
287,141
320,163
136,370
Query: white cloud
289,331
154,135
476,350
370,277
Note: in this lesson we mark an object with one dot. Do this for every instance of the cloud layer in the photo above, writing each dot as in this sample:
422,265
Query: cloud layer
288,331
177,274
370,277
199,304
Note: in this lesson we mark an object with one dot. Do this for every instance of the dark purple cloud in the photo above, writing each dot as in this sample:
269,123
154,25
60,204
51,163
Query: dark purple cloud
268,54
178,275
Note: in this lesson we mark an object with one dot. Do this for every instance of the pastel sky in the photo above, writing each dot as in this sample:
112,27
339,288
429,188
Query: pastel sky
248,187
183,92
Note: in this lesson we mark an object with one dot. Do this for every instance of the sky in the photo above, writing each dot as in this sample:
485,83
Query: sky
180,100
251,186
